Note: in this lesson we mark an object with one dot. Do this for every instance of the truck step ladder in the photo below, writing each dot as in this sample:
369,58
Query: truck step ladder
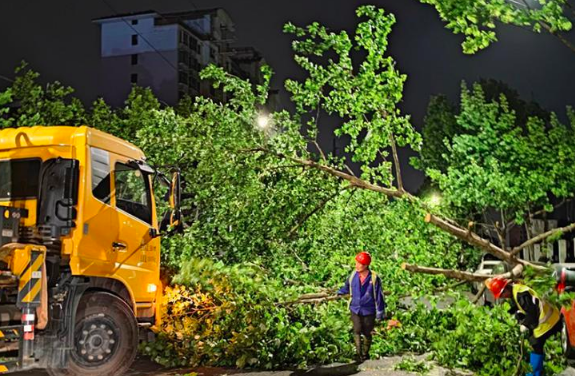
9,342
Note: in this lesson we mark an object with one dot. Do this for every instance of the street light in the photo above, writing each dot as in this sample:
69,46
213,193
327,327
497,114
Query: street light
434,199
263,121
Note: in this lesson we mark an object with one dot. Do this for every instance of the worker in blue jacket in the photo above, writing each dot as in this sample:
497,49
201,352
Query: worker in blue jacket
366,303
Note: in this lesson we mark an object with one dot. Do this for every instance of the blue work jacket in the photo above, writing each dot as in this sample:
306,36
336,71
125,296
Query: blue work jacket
363,300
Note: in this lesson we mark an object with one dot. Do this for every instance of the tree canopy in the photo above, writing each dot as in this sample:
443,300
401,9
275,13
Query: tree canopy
272,216
477,20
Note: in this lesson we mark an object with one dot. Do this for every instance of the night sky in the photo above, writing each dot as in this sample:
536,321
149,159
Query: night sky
59,40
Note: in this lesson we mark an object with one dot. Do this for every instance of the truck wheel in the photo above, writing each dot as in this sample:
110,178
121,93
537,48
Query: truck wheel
105,337
568,350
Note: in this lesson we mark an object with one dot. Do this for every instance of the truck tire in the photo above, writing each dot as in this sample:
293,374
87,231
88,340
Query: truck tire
105,337
568,350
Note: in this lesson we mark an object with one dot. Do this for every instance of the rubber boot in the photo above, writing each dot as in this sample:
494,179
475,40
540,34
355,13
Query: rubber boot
536,361
366,347
358,352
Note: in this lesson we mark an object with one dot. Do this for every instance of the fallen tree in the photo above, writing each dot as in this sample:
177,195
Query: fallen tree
514,273
274,195
490,167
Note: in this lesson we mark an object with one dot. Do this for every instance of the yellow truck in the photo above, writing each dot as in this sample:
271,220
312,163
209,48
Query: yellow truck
79,249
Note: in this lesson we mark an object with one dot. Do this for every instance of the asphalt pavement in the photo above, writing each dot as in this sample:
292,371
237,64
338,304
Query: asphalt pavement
379,367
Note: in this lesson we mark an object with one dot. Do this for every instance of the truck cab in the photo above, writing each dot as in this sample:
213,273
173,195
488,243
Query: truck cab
79,251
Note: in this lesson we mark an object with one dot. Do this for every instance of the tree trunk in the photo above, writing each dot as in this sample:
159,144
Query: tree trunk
475,240
461,275
451,227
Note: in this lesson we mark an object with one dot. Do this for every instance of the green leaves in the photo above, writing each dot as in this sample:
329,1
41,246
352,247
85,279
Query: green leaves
476,19
262,229
363,95
5,99
481,339
52,105
227,316
440,127
413,365
494,161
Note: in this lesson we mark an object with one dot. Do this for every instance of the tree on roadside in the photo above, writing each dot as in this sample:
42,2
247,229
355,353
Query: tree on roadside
445,128
440,124
365,96
260,192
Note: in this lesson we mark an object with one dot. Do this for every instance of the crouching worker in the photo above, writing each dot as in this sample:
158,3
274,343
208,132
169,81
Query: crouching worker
537,317
366,303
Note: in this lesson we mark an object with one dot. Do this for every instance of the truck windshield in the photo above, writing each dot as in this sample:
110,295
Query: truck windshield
19,178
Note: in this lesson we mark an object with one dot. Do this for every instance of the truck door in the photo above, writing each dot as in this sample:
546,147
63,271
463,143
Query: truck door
101,225
137,248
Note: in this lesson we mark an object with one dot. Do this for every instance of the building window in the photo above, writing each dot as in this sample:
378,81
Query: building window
183,57
193,63
194,84
134,22
134,78
184,78
193,44
135,59
134,40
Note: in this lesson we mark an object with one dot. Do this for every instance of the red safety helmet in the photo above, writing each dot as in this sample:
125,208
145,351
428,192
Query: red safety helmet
363,258
496,285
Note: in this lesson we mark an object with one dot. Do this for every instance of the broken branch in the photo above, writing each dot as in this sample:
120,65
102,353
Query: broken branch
444,224
541,237
312,298
396,162
479,294
475,240
449,273
461,275
355,181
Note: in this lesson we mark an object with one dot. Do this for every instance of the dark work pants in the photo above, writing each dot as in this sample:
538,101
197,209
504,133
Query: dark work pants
363,324
539,343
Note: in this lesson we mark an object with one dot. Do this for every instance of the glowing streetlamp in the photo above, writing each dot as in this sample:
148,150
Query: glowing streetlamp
434,199
263,122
